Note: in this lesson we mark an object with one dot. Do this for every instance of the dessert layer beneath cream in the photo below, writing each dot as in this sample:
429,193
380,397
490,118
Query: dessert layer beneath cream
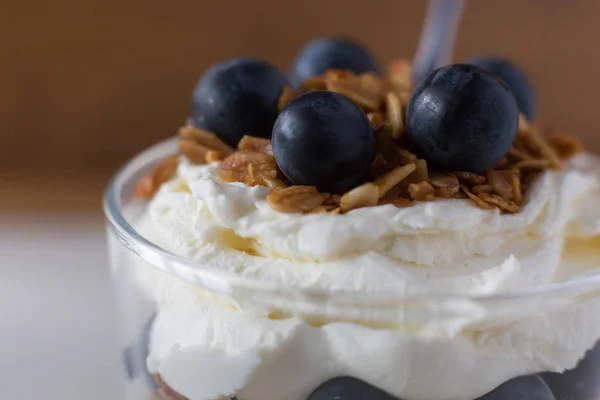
206,348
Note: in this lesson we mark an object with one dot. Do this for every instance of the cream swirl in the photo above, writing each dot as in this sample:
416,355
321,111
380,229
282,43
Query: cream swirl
448,246
205,348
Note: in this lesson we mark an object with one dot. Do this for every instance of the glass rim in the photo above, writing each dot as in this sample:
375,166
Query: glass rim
137,243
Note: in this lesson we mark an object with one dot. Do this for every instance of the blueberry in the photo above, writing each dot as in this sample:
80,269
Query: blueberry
238,97
322,54
136,354
347,388
580,383
515,78
461,117
530,387
323,139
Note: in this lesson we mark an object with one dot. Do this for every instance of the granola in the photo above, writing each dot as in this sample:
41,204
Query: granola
396,176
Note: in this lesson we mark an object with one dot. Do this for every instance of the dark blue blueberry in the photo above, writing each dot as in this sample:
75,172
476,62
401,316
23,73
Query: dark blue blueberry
347,388
515,78
323,139
530,387
463,118
238,97
322,54
580,383
136,354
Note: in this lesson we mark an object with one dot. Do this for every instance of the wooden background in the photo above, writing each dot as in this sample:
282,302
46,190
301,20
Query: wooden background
86,84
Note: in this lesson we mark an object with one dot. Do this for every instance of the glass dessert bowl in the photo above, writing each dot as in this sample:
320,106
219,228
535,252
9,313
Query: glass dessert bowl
343,258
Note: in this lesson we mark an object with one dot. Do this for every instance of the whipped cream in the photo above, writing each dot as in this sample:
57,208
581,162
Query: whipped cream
206,347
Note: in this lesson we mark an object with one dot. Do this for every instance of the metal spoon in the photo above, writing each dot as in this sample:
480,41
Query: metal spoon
437,37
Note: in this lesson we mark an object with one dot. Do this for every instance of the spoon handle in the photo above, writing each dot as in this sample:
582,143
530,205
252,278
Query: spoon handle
437,37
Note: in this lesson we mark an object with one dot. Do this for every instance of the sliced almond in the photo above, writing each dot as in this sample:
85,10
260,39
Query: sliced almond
523,124
390,179
534,164
286,96
515,182
365,195
295,199
162,173
538,146
394,114
206,139
421,173
518,155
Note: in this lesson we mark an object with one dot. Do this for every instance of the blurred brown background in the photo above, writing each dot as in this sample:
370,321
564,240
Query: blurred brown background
86,84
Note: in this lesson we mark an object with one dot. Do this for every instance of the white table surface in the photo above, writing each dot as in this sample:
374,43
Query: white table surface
58,339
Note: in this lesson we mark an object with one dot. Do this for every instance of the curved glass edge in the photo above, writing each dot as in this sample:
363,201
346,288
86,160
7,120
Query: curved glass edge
264,293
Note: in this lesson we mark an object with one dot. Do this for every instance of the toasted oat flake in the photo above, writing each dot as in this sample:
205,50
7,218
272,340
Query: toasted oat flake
482,189
470,178
163,172
250,167
351,88
253,143
194,152
338,75
503,204
500,182
286,96
365,195
476,200
375,118
206,139
314,83
214,156
444,180
422,191
295,199
564,144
